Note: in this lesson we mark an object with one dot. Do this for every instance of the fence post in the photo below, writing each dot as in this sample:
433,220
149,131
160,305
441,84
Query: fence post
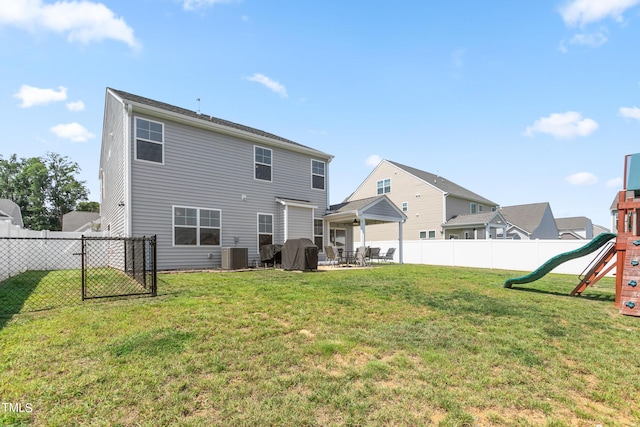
82,255
154,283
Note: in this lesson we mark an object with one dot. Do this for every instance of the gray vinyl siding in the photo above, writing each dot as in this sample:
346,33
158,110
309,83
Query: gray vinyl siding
112,164
209,170
300,223
547,228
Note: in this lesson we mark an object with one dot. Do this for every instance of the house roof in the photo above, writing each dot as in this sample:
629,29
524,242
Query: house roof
526,217
444,184
482,218
9,209
78,220
208,119
377,208
573,223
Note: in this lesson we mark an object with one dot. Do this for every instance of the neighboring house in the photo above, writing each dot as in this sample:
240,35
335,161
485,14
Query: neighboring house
201,183
575,228
599,229
80,221
429,201
485,225
530,221
10,211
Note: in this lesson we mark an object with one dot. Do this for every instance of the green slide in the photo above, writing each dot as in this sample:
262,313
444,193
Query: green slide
552,263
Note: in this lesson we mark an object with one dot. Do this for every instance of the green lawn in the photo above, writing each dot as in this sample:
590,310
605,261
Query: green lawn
394,345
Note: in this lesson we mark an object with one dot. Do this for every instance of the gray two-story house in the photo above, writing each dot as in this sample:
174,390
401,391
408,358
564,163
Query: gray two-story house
201,183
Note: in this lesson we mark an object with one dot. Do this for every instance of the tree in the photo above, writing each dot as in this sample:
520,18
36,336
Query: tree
88,207
45,188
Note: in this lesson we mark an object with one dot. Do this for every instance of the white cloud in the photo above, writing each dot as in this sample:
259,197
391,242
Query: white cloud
562,125
373,160
198,4
582,12
82,21
457,58
614,183
630,112
74,132
596,39
582,178
271,84
75,106
31,96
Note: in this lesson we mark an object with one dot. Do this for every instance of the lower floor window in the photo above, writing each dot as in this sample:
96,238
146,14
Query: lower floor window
265,230
318,234
196,226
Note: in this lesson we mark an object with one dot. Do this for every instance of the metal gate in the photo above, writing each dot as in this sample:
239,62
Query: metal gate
118,267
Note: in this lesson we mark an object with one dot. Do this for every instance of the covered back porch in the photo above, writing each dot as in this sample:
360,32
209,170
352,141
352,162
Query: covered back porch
348,218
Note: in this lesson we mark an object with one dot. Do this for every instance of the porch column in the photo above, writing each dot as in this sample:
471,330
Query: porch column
400,243
487,232
363,242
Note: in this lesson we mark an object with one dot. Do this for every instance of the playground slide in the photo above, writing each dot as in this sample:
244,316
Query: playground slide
552,263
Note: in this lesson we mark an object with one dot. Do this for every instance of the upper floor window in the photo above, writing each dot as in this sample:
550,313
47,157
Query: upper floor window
317,174
384,186
263,158
196,227
149,140
474,208
405,206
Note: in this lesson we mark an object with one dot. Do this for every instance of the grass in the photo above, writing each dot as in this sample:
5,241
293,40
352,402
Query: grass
395,345
42,290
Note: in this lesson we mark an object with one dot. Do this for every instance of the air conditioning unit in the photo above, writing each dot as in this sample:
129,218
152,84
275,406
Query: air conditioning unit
235,258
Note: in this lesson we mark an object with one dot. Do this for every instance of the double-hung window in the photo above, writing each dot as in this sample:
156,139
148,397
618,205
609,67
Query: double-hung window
317,174
384,186
474,208
318,233
149,140
262,159
196,226
265,229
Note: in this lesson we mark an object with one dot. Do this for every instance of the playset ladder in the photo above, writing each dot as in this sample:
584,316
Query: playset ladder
597,271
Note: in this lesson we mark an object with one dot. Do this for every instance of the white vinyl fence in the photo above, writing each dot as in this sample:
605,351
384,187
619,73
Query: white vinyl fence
520,255
47,250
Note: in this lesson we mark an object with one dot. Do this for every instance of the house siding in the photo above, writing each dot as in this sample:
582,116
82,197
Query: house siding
547,228
300,223
112,168
424,203
206,169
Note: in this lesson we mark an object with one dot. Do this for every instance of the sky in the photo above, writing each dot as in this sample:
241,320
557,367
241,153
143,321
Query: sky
519,101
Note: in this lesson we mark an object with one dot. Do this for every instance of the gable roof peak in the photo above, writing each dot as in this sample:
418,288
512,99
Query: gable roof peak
443,184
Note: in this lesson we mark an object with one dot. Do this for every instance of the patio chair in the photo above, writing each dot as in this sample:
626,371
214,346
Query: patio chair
389,255
361,256
332,255
374,253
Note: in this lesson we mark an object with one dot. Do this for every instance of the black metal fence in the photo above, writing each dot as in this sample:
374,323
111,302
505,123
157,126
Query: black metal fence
43,273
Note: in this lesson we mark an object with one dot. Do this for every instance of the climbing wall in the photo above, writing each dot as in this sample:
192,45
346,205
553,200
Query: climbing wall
630,294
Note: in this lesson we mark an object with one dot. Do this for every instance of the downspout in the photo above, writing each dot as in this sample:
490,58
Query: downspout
127,171
444,213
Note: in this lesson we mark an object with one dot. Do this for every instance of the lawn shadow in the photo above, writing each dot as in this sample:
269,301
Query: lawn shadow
594,297
15,291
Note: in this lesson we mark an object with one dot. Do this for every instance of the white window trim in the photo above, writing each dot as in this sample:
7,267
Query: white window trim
315,174
405,204
258,233
197,227
255,162
434,234
135,139
383,186
321,248
426,235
